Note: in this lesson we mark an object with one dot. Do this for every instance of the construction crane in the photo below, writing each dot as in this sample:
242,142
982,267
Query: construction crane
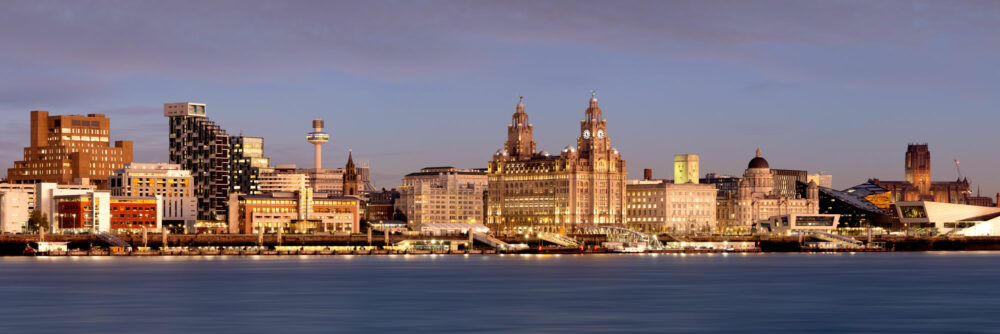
959,168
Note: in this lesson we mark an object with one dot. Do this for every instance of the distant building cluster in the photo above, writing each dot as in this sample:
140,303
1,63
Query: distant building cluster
75,179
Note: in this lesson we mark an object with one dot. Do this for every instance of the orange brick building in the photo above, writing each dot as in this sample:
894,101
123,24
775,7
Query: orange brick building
65,149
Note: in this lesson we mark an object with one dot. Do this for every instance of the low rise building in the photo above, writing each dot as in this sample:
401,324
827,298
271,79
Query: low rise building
98,211
931,218
666,207
301,212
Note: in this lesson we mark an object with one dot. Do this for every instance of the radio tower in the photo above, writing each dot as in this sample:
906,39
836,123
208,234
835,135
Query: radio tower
318,138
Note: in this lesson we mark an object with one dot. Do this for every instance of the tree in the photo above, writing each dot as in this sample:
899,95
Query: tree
37,221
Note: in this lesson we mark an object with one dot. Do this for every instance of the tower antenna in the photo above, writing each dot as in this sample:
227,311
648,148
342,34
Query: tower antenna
959,168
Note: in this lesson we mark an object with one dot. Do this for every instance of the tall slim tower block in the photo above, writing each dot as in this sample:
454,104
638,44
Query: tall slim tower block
918,167
685,168
201,146
318,138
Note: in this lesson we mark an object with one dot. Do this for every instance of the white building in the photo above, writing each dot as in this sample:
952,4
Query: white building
14,212
950,219
665,207
169,181
443,195
282,182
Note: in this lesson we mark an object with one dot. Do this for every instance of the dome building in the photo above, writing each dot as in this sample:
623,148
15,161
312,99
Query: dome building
756,199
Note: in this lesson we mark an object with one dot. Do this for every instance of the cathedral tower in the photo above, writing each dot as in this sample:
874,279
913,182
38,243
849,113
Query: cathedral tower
918,167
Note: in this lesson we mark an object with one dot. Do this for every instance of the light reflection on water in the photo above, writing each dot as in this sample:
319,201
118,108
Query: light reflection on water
847,292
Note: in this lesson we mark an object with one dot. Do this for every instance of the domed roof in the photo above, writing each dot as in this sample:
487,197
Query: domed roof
569,148
758,161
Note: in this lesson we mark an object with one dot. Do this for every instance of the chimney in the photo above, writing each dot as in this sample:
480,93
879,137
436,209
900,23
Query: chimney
647,174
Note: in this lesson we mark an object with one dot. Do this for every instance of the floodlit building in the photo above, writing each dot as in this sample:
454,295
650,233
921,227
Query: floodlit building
301,212
686,168
70,149
443,195
665,207
917,184
537,191
757,198
275,182
175,187
949,219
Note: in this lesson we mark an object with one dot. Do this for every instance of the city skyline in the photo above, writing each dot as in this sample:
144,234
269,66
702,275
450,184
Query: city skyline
843,99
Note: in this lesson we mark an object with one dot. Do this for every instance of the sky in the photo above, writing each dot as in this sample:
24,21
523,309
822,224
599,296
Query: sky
833,86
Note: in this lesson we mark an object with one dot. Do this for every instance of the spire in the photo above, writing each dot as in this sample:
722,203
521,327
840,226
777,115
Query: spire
758,153
593,111
350,159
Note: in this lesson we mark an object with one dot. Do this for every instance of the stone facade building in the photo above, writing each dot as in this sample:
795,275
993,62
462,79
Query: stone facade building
442,195
665,207
537,191
757,199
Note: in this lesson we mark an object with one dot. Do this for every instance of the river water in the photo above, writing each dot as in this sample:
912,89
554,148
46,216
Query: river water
752,293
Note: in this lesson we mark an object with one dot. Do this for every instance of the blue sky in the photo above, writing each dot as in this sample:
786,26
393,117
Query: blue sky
836,86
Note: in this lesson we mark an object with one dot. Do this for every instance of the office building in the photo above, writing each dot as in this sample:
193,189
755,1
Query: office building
666,207
381,205
70,149
442,195
282,181
686,168
536,191
822,180
174,186
98,211
786,179
247,163
202,147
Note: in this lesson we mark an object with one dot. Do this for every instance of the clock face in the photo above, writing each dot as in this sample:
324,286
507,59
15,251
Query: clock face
586,134
600,133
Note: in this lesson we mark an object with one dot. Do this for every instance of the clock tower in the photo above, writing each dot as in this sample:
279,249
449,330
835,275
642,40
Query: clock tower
593,142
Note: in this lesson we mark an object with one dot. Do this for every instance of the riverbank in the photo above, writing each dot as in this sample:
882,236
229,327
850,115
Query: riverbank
181,244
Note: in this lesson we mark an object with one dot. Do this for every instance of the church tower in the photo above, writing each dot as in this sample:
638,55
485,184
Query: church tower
918,167
350,177
520,144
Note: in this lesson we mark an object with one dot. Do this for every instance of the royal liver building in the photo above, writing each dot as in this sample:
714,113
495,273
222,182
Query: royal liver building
537,191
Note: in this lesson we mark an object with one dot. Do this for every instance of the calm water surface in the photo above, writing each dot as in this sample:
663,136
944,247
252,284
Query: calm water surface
796,293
